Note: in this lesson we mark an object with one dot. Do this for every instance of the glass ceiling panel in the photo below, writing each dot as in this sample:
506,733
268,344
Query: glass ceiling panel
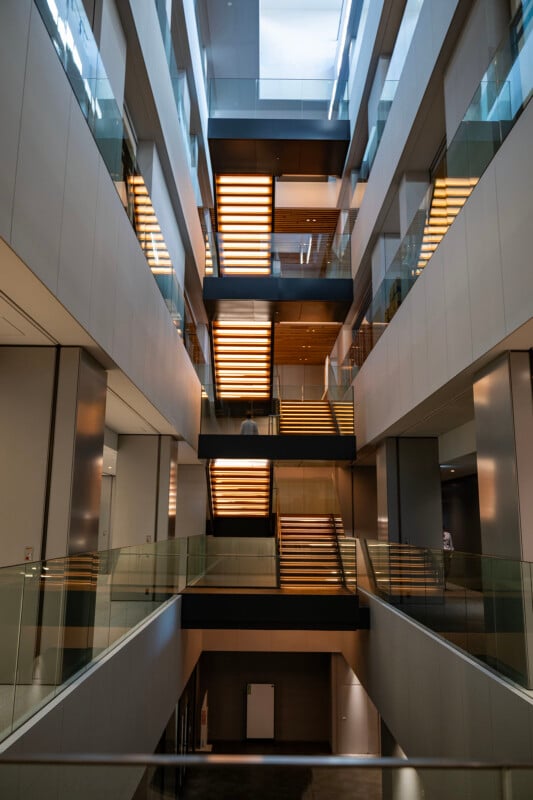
298,39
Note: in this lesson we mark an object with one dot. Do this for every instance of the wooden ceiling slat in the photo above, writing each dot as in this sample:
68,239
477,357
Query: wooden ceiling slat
305,220
304,344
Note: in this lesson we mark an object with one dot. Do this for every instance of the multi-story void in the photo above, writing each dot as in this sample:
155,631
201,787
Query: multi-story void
265,334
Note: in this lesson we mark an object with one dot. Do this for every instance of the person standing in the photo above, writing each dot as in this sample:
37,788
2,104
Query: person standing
249,426
447,548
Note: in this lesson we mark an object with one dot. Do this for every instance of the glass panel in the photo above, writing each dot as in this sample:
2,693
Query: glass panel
294,255
476,602
11,602
334,416
273,98
74,42
59,616
498,101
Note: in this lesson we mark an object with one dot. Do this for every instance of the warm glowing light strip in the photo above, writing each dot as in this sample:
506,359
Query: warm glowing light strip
254,180
235,248
148,230
250,271
449,196
244,219
231,228
227,323
246,237
252,191
244,213
243,209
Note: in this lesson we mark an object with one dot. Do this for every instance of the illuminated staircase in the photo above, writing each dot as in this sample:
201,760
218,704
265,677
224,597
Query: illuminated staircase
77,572
240,487
344,416
242,355
307,417
244,220
449,196
404,571
309,557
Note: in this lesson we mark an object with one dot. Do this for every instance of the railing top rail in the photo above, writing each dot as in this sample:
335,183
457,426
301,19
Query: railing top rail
161,760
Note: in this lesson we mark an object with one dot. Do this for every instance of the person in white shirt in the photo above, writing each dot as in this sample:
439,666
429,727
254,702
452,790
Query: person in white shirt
249,426
447,547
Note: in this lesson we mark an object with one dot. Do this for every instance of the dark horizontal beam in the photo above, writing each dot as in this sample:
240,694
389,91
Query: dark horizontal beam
276,290
279,129
288,447
272,612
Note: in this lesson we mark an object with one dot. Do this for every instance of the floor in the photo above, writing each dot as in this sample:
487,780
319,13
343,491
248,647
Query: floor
257,782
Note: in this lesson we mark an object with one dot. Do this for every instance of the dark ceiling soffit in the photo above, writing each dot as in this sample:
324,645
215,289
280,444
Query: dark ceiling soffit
279,289
298,129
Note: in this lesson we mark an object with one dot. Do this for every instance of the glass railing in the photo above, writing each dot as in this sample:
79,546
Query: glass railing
163,776
333,416
60,616
180,90
71,34
376,132
237,562
259,98
498,102
478,603
292,255
348,557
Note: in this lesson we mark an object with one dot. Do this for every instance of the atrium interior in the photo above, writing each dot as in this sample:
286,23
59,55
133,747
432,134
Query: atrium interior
266,399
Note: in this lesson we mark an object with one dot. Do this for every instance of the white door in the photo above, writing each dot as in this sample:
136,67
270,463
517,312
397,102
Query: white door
260,711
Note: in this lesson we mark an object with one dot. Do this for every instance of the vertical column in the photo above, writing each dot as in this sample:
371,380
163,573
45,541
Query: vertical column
504,432
52,408
78,444
142,489
408,492
27,389
52,416
504,435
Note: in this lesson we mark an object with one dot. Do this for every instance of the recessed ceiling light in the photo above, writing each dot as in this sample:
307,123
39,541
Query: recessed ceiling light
452,470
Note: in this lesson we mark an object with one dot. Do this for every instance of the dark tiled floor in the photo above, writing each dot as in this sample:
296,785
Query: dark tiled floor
279,782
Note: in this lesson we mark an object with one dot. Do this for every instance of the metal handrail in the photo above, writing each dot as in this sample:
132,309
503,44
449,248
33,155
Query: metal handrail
163,760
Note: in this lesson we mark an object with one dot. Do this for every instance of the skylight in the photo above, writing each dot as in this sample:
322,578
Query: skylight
298,42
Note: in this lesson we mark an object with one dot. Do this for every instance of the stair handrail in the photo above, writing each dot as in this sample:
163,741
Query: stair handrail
339,554
334,417
278,542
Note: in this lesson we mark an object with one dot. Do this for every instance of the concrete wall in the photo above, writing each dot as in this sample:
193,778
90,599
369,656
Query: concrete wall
60,212
26,410
432,27
301,694
355,720
483,32
443,327
192,500
140,509
120,705
153,51
437,702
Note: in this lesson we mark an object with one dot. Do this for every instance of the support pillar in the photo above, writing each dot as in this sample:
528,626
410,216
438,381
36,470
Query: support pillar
144,506
504,435
408,492
504,432
52,408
